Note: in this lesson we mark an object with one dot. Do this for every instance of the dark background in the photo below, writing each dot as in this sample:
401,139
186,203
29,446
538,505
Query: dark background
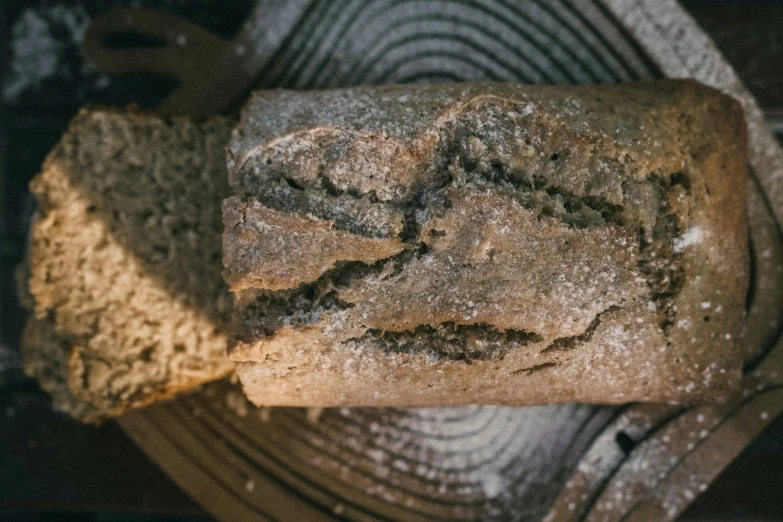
52,468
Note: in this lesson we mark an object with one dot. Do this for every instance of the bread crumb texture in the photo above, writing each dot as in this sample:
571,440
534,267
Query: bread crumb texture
125,263
487,243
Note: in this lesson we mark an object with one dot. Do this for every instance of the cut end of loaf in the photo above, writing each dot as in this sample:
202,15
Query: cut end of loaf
125,263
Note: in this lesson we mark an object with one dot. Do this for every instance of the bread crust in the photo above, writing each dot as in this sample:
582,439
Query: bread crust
558,244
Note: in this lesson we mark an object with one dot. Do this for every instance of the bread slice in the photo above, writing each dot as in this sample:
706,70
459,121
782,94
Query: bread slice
488,243
129,305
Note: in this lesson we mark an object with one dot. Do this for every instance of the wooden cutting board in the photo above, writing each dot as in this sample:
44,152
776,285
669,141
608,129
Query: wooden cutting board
562,462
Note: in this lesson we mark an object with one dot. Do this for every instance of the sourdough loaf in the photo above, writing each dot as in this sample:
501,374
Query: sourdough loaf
487,243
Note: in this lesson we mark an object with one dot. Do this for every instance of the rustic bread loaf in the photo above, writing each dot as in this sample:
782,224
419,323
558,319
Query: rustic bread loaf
125,262
487,243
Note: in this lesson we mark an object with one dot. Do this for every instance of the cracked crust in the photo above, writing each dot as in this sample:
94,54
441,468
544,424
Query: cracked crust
289,249
129,306
557,244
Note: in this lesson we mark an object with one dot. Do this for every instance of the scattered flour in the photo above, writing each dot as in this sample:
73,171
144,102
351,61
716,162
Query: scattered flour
474,450
692,236
39,39
493,484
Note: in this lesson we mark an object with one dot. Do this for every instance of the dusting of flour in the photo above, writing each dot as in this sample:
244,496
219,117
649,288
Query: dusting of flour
692,236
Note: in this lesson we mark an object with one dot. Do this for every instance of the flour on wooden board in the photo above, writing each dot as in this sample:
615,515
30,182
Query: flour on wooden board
41,39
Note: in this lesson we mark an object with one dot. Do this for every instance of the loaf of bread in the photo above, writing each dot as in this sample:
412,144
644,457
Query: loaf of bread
487,243
129,305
